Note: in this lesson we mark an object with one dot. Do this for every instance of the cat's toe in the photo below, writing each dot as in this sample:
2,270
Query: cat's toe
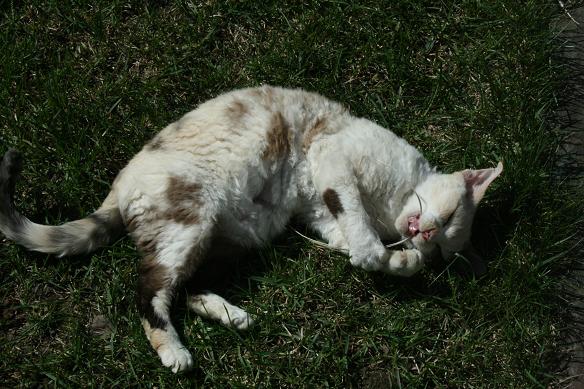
405,263
242,321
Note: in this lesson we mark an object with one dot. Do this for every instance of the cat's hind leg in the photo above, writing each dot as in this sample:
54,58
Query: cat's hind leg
215,307
172,251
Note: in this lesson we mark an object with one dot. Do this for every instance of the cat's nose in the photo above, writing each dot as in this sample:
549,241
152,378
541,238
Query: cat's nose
414,225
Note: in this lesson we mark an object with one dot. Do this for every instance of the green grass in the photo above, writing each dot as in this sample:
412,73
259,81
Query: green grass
468,82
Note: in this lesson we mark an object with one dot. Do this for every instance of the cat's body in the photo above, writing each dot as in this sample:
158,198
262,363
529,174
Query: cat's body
238,168
258,148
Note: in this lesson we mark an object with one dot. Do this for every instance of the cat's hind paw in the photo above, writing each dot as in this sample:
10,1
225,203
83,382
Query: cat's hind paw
175,356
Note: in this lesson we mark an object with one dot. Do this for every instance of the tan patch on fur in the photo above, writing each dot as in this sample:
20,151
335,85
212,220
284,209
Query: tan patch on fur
156,336
318,128
333,202
132,224
264,94
144,232
403,261
236,110
255,92
185,199
278,138
269,93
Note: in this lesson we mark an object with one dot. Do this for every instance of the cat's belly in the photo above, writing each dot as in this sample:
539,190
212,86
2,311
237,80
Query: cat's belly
255,217
253,227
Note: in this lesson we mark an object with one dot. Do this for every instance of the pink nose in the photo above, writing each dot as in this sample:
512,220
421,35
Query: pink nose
413,225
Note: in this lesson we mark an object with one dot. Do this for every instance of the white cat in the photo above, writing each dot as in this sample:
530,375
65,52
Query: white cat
239,167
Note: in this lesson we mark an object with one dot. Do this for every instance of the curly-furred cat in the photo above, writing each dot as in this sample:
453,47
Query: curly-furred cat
239,167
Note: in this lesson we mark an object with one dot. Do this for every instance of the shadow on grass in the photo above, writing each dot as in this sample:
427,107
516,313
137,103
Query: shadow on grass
229,268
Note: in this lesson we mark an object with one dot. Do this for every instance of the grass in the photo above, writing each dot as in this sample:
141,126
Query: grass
468,82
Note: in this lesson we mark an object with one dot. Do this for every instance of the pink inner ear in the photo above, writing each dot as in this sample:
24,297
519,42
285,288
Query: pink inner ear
477,181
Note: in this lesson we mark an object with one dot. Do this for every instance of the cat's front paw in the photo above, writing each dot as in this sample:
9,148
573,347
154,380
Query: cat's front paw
405,263
370,258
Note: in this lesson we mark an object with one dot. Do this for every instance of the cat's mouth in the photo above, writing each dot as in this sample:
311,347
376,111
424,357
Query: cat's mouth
414,228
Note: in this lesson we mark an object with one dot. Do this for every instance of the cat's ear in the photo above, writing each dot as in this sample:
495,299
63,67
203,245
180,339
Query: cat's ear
477,181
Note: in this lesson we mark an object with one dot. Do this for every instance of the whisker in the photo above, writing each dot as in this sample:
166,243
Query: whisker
398,243
383,224
319,243
419,200
328,247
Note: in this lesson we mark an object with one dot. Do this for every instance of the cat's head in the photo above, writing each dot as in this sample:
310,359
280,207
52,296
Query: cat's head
439,213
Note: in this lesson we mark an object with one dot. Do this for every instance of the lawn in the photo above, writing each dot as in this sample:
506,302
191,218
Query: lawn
467,82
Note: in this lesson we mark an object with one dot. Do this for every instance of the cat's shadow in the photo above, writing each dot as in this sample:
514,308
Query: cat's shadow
229,269
492,227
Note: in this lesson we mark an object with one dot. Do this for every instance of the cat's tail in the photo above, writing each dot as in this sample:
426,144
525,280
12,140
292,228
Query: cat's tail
76,237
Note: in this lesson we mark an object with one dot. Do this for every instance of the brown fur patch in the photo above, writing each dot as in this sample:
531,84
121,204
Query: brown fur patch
153,277
236,110
158,338
183,216
333,202
269,93
255,92
153,274
185,199
132,224
277,137
318,128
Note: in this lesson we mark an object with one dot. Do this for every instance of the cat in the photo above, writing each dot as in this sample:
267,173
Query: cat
238,167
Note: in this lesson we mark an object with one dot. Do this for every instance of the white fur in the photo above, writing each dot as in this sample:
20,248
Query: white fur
215,307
